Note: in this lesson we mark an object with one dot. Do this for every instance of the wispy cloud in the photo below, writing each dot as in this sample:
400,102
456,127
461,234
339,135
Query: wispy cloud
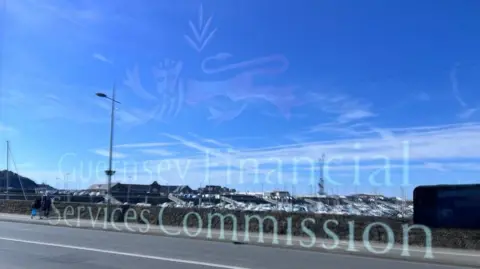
453,166
466,114
222,116
351,130
181,160
77,23
159,152
67,22
25,165
53,97
46,13
105,153
422,145
355,115
197,146
146,145
467,111
342,130
6,129
126,115
427,148
102,58
53,105
345,107
422,96
455,88
436,166
211,141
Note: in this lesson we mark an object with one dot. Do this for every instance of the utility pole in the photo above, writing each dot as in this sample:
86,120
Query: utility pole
110,172
402,191
128,191
291,198
7,177
200,195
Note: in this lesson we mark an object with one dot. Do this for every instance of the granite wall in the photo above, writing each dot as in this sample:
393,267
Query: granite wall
297,224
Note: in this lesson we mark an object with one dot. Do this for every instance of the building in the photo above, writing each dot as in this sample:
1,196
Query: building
142,189
215,189
280,195
42,188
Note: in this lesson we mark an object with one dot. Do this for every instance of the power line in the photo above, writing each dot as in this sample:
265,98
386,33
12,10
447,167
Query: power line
16,170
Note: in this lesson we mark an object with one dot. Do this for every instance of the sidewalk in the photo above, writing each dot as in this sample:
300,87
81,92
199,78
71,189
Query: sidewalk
397,251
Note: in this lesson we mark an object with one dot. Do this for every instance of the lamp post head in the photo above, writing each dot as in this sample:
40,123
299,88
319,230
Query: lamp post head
100,94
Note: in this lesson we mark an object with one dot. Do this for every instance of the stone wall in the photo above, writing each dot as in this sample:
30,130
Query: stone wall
296,224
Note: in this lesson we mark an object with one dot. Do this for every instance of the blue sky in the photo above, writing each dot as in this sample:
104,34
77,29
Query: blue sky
388,91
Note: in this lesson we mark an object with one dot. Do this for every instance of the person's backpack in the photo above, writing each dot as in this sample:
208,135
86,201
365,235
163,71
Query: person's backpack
37,203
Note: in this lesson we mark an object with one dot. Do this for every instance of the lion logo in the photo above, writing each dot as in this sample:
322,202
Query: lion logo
173,91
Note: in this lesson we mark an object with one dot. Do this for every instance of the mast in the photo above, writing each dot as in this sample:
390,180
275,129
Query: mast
7,178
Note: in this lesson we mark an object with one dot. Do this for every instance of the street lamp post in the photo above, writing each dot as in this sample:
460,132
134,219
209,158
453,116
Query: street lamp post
110,172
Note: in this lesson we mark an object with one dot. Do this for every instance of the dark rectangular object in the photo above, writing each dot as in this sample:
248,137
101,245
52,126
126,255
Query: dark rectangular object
447,206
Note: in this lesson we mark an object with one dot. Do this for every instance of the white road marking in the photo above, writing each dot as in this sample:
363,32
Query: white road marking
235,267
24,229
135,255
342,243
252,236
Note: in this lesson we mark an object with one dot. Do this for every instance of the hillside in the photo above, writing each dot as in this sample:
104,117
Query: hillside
14,181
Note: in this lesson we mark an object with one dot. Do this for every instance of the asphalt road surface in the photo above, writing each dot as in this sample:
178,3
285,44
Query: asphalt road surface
25,246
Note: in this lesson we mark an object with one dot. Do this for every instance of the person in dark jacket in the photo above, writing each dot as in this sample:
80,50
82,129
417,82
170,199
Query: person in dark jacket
36,205
46,205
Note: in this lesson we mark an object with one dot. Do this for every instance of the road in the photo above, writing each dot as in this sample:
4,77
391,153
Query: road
25,246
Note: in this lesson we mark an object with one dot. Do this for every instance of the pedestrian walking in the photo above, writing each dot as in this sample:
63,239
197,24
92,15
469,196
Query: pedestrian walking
46,205
36,205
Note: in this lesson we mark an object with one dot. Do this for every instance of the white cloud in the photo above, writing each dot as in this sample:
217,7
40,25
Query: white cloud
45,14
69,23
25,165
211,141
105,153
347,108
467,111
466,114
125,116
394,150
436,166
355,115
6,129
446,148
102,58
159,152
440,143
145,145
449,166
50,101
455,88
53,97
342,130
